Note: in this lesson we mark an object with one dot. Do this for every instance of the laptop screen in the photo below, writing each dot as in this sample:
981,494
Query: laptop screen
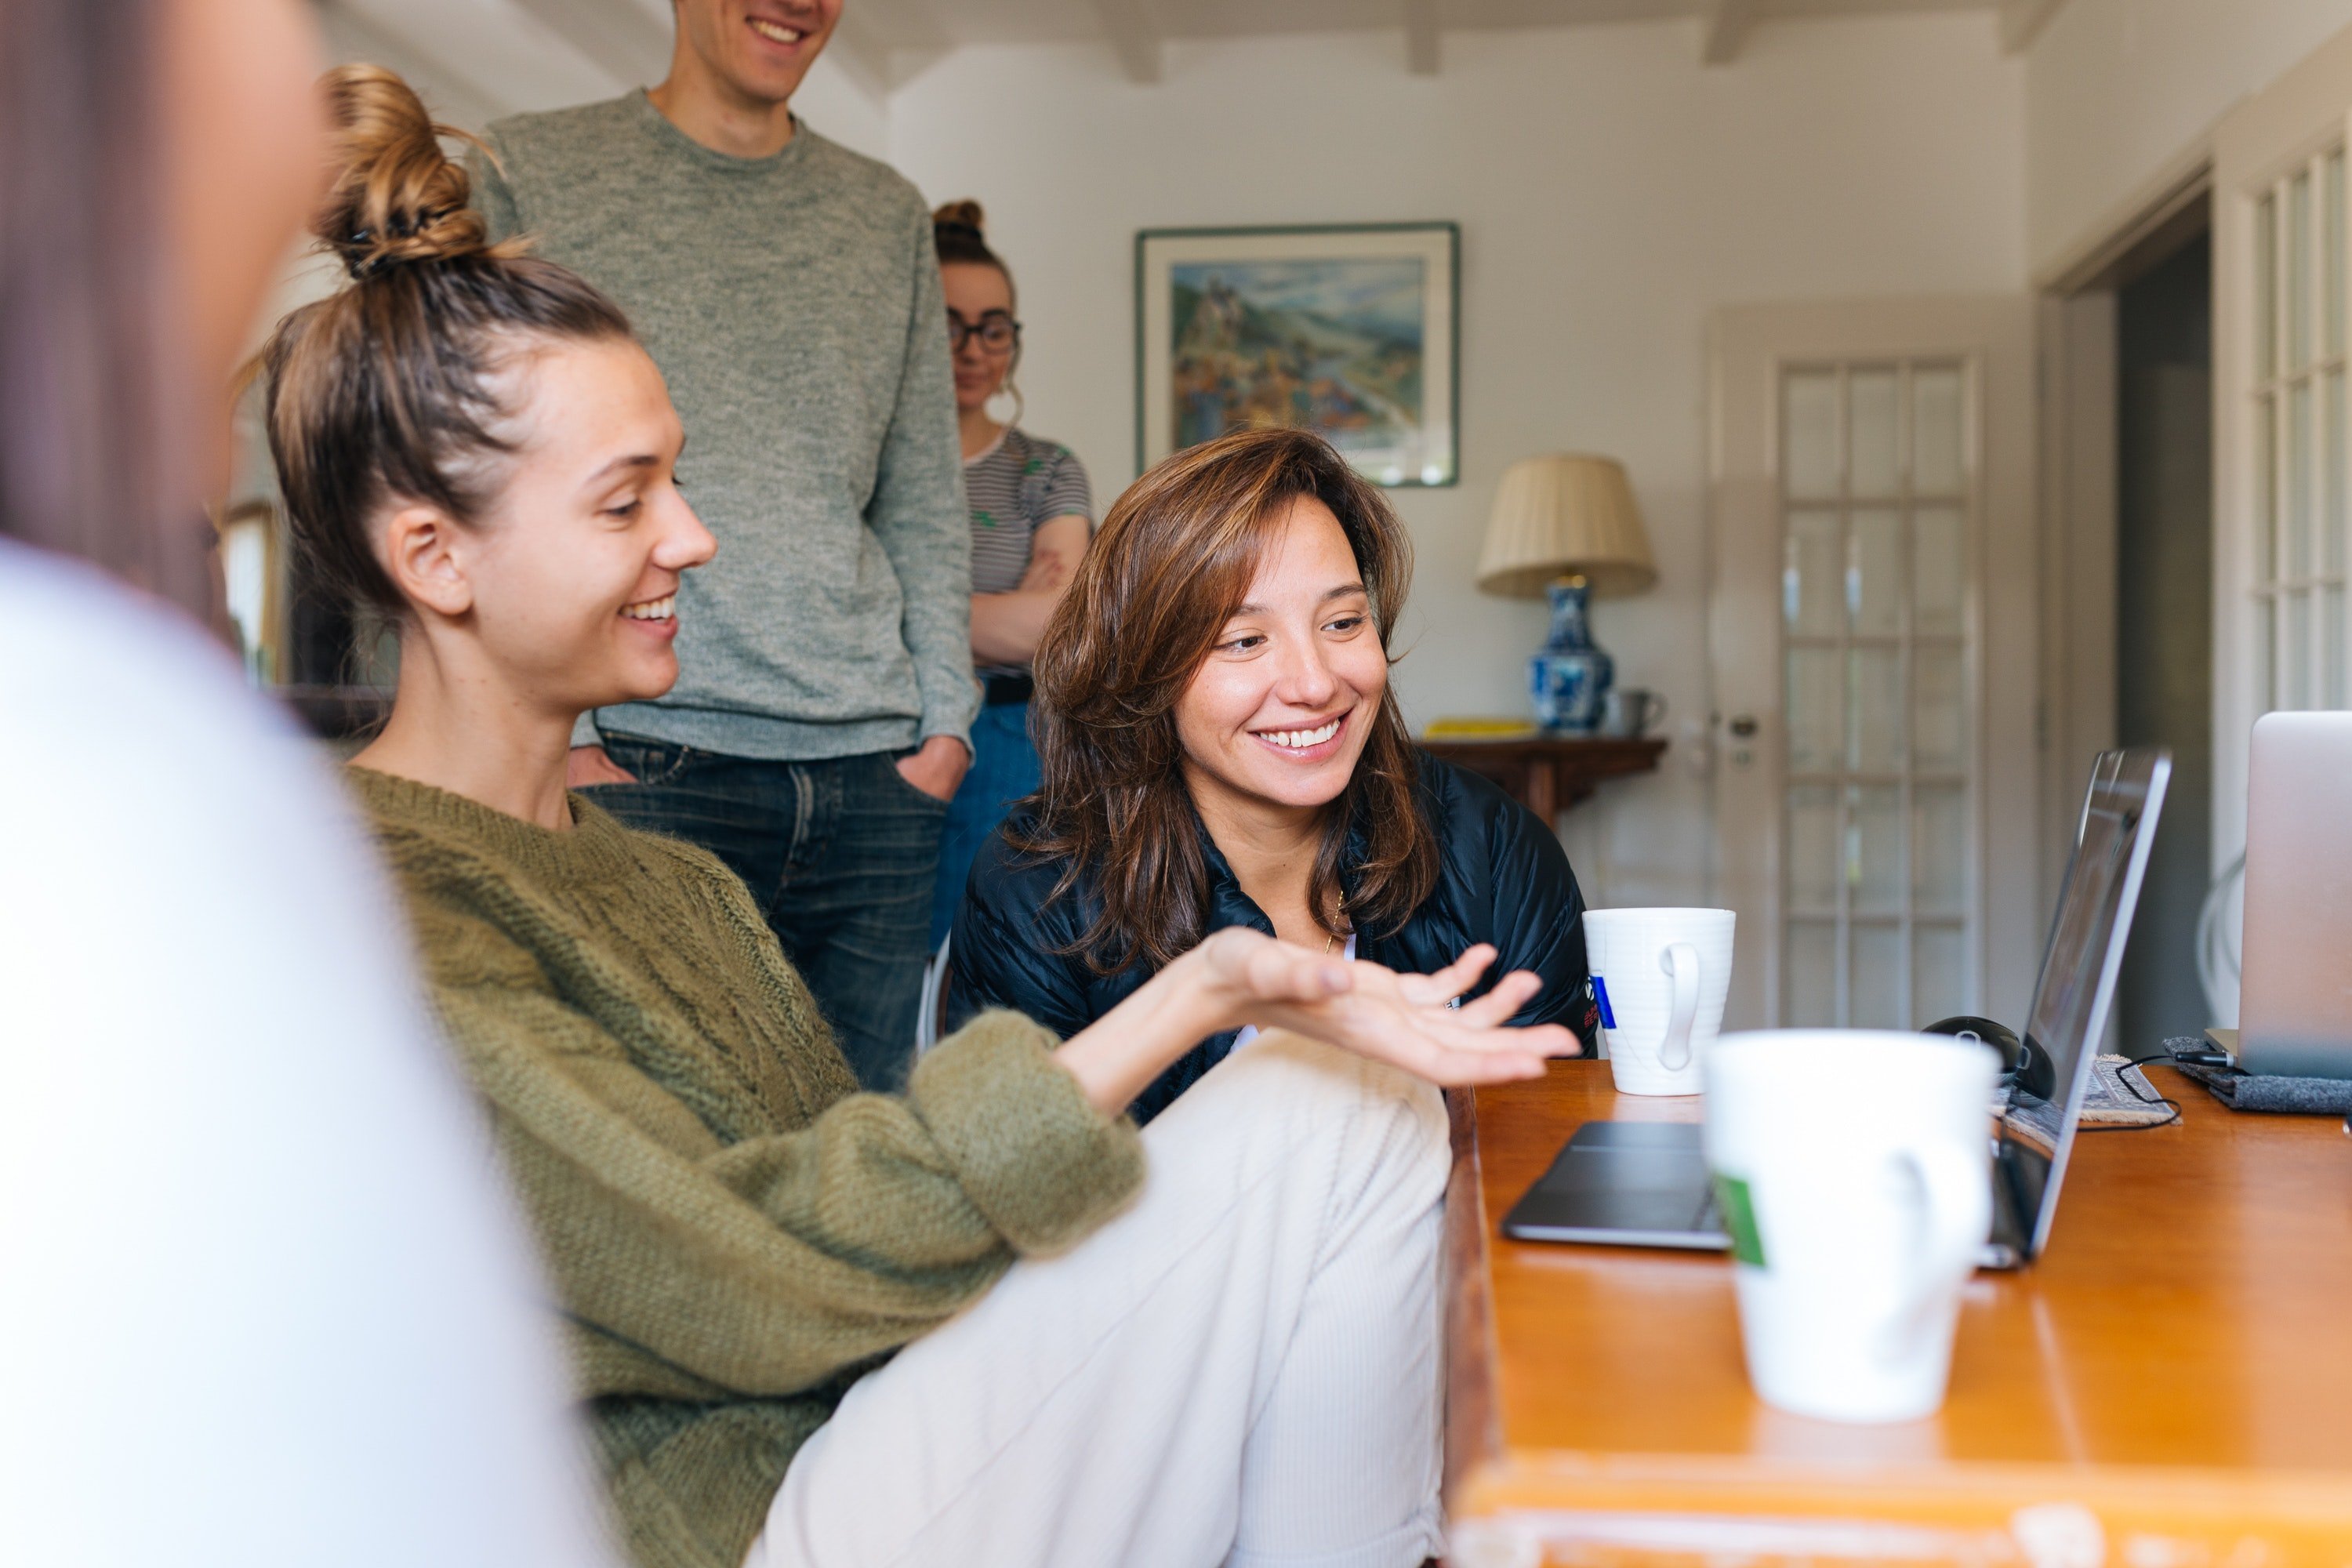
2077,987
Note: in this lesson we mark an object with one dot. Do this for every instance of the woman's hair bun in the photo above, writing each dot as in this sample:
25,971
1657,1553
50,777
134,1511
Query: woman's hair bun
964,213
397,197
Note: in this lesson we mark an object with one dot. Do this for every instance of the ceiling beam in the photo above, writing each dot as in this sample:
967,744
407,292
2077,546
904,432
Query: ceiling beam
1128,24
1723,30
621,36
2021,22
1421,34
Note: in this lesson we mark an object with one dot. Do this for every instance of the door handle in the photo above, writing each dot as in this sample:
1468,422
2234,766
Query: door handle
1743,727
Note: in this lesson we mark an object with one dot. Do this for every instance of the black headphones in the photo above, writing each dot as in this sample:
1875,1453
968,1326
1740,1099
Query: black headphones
2024,1062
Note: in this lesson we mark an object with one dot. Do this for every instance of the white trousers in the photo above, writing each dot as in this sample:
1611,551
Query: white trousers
1243,1368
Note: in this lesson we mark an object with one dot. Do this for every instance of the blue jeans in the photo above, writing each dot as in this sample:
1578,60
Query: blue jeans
840,855
1003,769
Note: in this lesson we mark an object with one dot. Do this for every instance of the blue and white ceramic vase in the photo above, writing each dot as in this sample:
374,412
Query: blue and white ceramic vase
1570,676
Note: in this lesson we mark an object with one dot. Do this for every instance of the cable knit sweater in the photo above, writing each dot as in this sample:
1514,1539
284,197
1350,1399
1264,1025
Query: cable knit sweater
735,1232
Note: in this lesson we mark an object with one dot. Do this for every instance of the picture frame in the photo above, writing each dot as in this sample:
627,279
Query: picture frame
1350,329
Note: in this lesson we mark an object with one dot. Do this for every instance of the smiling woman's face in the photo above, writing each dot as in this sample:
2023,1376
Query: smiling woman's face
1279,713
574,571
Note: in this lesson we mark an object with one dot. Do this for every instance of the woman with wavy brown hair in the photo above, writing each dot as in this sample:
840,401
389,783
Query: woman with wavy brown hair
1222,748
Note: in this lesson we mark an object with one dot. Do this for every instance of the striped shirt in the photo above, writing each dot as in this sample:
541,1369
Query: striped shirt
1014,486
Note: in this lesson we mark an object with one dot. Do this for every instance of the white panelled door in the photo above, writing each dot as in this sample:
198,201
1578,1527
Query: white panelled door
2282,297
1873,624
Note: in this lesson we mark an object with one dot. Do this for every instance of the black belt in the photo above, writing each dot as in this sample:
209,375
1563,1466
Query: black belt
1005,690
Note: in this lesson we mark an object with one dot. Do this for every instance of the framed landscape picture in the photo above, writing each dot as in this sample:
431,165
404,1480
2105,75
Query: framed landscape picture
1347,331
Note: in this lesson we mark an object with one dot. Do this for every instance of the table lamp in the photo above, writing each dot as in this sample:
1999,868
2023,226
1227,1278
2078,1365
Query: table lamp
1566,526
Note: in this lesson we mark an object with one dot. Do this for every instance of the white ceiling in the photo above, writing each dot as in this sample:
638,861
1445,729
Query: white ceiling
520,53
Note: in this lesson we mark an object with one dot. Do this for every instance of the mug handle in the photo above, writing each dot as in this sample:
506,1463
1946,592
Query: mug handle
1956,1204
1681,961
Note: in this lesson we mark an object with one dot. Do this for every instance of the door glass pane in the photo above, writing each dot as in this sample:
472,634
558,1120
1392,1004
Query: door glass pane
2333,693
1810,458
1875,719
1938,979
1936,431
1809,973
2265,651
1812,849
1875,582
1937,571
2265,287
1938,850
1874,590
1877,978
1875,470
1810,581
1939,723
2331,229
1873,838
1816,711
2295,553
2331,510
2295,651
2298,272
2265,489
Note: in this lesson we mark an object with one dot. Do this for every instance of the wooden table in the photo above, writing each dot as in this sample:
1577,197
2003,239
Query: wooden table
1548,774
2169,1386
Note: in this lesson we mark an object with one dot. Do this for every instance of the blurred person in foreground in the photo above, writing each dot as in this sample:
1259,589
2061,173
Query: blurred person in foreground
982,1321
1223,749
265,1300
1031,512
787,290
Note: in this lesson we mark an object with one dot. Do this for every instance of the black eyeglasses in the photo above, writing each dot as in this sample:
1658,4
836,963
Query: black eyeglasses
996,331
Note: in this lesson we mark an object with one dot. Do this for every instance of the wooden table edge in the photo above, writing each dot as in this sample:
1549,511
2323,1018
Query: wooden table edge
1474,1418
1511,1507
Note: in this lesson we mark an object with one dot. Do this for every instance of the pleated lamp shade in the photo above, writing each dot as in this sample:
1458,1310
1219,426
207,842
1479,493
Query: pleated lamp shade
1565,515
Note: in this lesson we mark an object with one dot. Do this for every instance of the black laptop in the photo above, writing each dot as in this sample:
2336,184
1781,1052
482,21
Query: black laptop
1645,1184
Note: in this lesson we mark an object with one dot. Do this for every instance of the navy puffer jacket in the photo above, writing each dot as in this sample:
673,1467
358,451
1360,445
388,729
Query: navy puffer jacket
1502,878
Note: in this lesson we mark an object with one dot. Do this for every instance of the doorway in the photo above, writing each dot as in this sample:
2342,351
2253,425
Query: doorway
2164,613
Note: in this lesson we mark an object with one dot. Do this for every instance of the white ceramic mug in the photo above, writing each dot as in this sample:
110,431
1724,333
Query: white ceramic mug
1661,978
1853,1170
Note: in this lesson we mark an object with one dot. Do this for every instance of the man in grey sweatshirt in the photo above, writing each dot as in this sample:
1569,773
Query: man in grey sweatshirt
789,291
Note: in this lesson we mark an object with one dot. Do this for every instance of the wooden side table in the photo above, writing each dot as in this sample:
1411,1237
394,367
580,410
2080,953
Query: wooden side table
1548,774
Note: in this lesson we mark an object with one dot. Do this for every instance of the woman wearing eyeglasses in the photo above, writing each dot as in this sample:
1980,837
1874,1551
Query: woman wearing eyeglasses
1031,516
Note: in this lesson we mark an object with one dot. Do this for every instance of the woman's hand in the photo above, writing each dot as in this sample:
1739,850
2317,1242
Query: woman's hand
1239,976
1408,1020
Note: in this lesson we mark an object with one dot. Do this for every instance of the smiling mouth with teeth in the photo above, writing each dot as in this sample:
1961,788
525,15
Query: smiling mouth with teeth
659,609
775,32
1300,739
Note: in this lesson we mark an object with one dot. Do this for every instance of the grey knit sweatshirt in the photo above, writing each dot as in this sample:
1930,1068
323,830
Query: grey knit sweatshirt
794,305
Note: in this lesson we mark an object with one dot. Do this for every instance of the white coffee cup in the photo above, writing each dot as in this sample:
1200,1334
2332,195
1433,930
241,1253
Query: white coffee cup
1853,1170
1661,977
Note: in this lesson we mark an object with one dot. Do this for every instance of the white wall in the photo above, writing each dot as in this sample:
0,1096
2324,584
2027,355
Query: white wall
2117,91
1610,190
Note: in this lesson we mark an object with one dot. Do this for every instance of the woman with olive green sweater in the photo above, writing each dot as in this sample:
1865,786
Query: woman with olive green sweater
1215,1340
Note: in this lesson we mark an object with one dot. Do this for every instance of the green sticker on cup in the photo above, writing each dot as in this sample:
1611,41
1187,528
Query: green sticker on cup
1739,1219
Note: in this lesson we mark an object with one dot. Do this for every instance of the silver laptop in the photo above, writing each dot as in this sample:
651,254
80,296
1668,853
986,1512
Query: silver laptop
1645,1184
2294,989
